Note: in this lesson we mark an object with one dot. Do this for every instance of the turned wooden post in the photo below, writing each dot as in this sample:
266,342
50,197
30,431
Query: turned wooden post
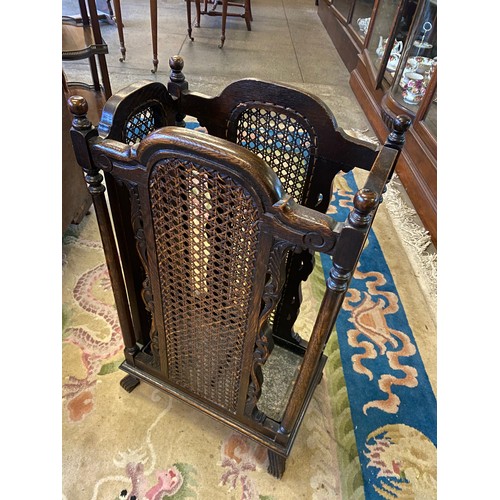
176,86
82,132
396,139
344,259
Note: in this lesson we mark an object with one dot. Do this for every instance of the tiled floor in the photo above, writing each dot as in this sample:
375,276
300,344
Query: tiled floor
288,43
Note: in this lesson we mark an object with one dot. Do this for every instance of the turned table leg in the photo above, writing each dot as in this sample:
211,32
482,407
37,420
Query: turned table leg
119,27
153,6
224,18
188,12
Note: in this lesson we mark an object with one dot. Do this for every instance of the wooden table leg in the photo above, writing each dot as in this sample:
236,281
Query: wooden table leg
248,14
198,12
96,82
94,22
119,26
224,17
153,6
188,12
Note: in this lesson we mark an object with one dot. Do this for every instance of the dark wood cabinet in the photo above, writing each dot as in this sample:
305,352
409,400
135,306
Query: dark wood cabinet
392,57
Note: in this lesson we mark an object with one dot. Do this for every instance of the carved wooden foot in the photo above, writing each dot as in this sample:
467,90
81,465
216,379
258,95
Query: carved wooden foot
155,66
129,383
276,464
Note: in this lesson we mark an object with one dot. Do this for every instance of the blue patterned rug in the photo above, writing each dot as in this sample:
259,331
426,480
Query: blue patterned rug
392,404
370,431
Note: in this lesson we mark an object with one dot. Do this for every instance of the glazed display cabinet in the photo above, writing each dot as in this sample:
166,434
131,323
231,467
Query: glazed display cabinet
390,49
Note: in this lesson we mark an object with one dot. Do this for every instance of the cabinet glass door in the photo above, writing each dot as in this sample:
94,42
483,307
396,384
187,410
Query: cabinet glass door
343,6
383,26
361,17
419,59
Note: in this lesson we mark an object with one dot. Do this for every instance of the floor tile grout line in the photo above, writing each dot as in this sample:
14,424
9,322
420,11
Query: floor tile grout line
293,44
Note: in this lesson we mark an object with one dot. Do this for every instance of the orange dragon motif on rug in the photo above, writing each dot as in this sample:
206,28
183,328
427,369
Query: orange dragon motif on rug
372,334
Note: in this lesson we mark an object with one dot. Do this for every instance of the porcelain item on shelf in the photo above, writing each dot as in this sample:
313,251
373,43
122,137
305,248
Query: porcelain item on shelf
363,24
414,89
393,62
396,48
422,45
409,68
421,64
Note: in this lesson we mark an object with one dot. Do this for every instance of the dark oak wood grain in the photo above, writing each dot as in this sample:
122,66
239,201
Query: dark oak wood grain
205,231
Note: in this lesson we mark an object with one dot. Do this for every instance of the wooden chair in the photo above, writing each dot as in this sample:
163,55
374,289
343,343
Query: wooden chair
257,115
224,13
213,227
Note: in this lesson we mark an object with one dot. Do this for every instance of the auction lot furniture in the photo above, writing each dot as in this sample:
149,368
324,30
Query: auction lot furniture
212,234
224,13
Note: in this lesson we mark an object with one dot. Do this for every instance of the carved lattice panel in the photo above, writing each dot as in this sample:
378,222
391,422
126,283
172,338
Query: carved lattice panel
139,126
282,141
207,234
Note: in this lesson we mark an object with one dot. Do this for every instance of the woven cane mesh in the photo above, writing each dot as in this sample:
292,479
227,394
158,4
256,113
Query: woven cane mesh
206,231
282,142
139,126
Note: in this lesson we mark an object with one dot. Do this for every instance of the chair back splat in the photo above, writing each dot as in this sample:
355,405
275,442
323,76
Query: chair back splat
212,234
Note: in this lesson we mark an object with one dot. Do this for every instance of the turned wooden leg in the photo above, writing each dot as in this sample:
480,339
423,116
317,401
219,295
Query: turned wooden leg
188,11
119,27
198,13
153,8
110,8
129,383
224,17
276,464
248,15
95,75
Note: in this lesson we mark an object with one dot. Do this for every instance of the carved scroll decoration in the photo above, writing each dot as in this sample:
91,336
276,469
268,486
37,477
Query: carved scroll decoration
264,343
146,294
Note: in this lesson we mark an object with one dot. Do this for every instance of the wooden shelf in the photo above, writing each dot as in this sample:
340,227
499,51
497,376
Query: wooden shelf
78,41
82,39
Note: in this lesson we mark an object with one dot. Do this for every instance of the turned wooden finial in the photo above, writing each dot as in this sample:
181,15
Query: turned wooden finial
365,201
176,86
176,64
400,126
79,107
396,139
177,83
81,132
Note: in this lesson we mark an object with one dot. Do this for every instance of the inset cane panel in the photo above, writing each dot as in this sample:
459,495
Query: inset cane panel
207,234
139,126
282,141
